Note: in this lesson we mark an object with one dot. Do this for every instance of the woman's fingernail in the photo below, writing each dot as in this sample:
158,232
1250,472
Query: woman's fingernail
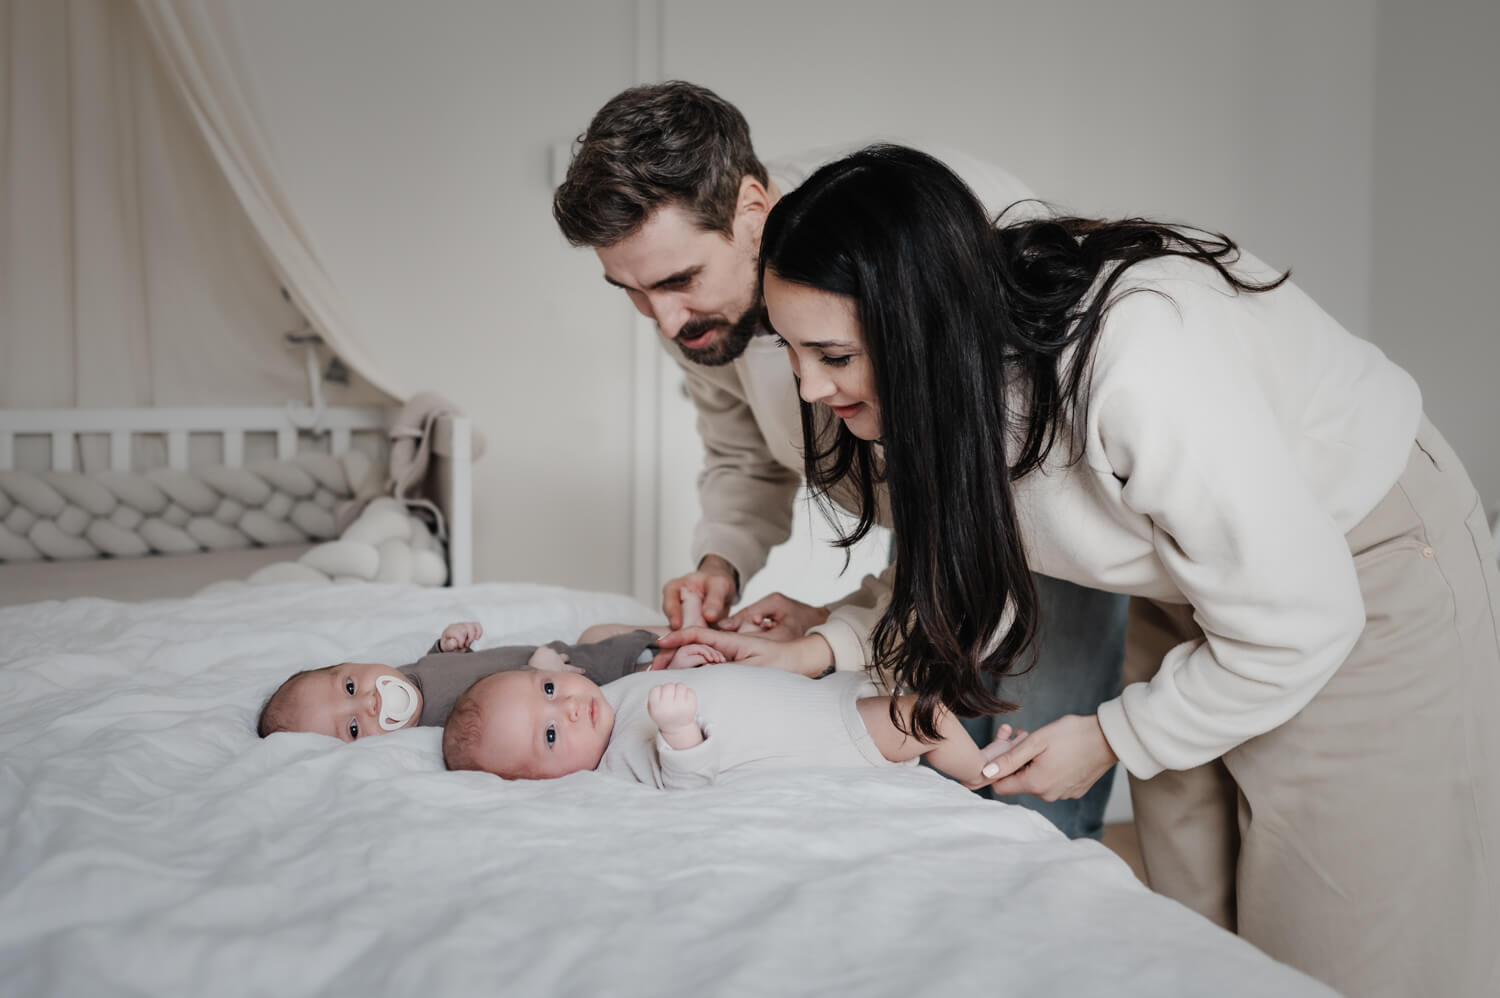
991,770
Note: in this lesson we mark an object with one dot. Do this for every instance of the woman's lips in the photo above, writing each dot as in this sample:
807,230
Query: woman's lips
846,411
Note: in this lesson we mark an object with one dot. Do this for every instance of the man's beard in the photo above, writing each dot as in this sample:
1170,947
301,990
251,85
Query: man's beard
727,347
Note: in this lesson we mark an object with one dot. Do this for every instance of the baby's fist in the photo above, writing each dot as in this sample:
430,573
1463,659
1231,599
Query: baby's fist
460,636
672,706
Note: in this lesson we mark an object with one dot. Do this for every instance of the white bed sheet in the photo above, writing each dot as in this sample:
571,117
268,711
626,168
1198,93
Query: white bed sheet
153,845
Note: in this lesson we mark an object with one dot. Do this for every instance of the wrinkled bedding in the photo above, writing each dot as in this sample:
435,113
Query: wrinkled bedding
152,845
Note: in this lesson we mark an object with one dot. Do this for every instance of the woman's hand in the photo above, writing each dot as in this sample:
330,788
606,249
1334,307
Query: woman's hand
776,616
1058,761
807,656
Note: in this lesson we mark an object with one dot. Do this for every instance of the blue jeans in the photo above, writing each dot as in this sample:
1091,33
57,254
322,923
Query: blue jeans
1080,647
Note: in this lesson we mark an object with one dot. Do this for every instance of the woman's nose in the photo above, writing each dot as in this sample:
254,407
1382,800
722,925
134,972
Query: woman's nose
815,388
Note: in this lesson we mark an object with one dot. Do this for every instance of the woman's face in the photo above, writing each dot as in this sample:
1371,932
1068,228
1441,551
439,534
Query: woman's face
827,350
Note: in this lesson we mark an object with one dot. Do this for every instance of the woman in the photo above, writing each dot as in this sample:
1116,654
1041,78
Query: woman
1138,408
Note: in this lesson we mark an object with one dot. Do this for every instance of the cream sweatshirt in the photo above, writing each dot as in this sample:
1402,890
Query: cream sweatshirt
1230,443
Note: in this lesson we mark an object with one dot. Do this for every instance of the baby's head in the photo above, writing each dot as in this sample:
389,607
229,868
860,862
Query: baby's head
348,701
529,725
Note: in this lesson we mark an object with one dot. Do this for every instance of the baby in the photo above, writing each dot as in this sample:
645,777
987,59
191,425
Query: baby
684,729
353,700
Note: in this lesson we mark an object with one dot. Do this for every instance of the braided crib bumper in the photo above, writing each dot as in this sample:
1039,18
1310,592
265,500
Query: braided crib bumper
73,516
69,515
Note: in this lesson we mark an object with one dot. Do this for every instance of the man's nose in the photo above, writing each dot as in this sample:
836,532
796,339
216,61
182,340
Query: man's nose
670,316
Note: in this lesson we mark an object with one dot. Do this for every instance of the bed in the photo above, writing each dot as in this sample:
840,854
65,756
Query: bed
153,845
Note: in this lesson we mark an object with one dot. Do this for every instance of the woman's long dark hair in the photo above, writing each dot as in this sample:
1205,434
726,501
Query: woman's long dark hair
965,325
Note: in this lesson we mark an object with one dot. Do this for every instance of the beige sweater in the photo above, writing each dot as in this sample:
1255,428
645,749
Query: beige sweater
750,423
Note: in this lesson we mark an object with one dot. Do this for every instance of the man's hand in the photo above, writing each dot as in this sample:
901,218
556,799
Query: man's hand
776,616
714,583
806,656
1058,761
674,708
459,636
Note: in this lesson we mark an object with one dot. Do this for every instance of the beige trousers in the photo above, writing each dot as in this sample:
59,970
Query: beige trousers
1360,841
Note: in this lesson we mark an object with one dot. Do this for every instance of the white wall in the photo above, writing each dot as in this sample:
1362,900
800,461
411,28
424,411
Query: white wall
416,139
1437,213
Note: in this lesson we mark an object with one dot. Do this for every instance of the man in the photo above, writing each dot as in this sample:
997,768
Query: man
666,188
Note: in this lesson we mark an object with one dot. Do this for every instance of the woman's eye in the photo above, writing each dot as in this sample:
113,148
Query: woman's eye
353,729
776,339
551,735
349,686
835,361
547,688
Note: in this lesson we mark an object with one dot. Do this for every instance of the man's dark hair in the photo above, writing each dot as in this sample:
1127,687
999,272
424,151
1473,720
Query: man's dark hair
664,143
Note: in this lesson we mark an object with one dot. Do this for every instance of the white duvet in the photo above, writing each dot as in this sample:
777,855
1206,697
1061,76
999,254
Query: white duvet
152,845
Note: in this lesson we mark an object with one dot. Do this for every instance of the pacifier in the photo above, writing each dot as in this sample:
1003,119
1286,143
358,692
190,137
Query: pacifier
398,701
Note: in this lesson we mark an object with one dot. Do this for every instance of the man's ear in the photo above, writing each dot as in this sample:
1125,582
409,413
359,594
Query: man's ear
751,208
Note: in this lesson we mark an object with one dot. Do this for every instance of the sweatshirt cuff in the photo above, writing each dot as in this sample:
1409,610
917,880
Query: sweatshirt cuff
744,556
1123,740
698,760
846,642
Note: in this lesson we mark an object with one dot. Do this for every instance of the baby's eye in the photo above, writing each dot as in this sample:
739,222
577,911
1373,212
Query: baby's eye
353,729
551,735
547,688
349,686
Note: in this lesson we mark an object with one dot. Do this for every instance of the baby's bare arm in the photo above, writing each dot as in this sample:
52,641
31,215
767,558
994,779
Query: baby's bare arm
954,753
601,632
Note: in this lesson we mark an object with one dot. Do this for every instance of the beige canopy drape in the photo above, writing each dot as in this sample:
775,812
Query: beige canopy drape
146,238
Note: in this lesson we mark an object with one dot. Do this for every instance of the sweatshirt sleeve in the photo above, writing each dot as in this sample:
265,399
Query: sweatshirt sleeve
1197,450
684,769
746,494
852,619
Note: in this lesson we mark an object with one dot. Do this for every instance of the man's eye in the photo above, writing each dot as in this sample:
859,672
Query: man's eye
353,729
551,735
349,686
547,688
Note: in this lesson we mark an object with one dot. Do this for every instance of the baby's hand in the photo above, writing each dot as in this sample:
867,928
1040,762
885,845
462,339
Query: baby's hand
674,708
692,656
459,636
549,659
